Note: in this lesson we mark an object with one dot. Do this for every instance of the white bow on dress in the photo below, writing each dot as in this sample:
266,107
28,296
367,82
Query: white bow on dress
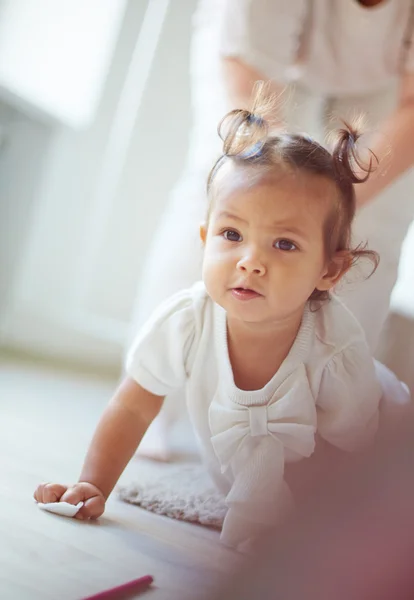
253,442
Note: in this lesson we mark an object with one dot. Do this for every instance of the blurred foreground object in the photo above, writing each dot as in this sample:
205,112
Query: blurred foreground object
352,534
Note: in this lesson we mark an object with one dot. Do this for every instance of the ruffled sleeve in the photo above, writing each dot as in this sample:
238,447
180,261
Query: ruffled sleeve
263,34
348,400
159,359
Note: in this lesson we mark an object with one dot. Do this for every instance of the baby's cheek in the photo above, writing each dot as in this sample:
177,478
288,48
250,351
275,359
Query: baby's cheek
212,276
290,270
298,280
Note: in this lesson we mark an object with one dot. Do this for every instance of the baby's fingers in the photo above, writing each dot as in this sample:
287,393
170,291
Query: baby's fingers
73,495
49,492
92,509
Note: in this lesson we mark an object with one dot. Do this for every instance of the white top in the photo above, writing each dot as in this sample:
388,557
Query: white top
326,384
343,47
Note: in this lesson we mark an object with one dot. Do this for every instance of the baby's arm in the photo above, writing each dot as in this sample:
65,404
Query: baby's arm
348,399
116,438
159,361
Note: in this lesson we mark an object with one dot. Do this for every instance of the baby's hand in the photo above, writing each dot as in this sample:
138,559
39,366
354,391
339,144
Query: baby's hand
89,494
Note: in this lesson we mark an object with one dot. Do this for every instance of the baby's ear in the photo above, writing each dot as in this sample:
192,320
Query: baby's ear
203,232
339,264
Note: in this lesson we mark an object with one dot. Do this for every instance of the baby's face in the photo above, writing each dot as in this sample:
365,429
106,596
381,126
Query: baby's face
264,246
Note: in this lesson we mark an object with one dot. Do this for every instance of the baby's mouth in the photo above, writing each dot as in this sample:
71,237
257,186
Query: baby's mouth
242,293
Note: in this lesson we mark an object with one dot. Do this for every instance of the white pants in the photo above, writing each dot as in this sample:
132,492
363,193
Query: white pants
174,261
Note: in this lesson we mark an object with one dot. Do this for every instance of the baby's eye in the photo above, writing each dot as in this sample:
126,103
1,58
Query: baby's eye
285,245
232,236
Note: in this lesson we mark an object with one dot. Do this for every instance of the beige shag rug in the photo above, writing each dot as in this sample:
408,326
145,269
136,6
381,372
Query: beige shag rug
179,491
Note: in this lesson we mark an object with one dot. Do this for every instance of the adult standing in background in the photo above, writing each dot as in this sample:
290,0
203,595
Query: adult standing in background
334,58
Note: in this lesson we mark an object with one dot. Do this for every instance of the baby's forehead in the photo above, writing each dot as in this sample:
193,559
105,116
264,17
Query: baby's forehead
302,188
233,176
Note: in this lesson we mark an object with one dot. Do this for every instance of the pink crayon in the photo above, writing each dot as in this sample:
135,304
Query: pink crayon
136,585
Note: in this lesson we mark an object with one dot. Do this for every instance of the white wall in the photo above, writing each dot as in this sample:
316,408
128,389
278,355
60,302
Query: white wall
43,312
24,144
55,54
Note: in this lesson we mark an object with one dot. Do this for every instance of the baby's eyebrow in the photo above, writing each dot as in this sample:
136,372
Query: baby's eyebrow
276,226
290,229
228,215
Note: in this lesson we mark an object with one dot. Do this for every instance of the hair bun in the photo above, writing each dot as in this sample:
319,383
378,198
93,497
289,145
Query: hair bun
244,133
347,161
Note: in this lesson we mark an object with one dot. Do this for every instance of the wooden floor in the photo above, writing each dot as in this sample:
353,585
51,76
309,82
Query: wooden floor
46,421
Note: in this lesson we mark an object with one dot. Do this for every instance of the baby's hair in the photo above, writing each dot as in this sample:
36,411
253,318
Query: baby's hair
248,141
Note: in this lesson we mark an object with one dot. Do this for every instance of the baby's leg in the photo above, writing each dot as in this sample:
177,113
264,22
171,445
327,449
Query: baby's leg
396,400
156,443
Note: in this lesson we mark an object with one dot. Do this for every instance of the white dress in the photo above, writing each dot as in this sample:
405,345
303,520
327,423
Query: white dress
327,384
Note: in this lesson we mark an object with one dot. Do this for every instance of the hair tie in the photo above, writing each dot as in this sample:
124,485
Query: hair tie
253,119
254,151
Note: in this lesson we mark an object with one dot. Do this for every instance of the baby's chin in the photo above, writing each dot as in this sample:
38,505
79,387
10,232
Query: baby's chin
259,313
254,312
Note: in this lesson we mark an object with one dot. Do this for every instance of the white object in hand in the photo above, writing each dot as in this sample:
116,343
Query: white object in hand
61,508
